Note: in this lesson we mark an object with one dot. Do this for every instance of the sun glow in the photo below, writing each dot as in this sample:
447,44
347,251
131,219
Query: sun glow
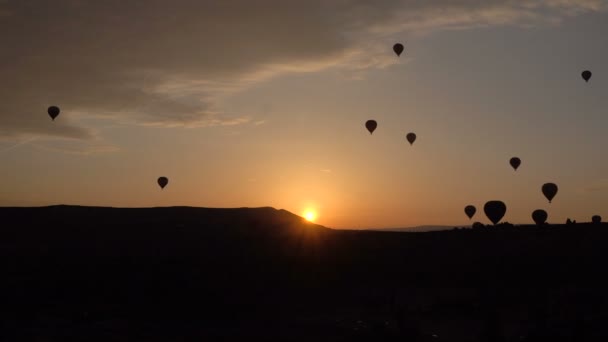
310,215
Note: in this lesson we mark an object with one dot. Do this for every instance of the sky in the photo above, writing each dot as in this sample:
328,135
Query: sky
263,103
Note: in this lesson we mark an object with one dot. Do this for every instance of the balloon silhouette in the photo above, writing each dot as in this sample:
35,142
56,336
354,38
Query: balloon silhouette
596,219
163,181
495,210
398,48
53,112
515,162
411,137
371,126
549,190
470,211
477,225
539,216
586,75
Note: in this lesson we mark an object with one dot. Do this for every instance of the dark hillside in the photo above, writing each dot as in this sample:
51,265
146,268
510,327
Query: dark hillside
166,274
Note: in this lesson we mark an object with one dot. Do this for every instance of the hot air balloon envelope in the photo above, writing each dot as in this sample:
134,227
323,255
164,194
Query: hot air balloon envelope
411,137
163,181
53,112
549,190
371,126
586,75
470,211
539,216
495,210
398,48
515,162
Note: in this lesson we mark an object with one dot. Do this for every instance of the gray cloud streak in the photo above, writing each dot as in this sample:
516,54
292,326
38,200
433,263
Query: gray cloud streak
169,62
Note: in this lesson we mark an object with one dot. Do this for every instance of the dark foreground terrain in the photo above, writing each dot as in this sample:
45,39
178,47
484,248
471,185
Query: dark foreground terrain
194,274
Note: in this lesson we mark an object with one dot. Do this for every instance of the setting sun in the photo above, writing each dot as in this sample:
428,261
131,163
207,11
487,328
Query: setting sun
310,215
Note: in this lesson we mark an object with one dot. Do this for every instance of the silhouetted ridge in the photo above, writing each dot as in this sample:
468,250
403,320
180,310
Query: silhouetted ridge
237,219
74,273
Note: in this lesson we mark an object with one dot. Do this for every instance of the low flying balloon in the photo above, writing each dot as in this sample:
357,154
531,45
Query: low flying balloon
495,210
539,216
596,219
470,211
586,75
163,181
371,126
477,225
549,190
398,48
411,137
515,162
53,112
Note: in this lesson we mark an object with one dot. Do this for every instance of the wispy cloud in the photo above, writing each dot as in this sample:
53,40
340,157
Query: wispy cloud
82,149
179,60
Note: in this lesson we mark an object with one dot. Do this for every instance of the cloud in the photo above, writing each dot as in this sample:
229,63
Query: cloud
167,63
62,145
83,149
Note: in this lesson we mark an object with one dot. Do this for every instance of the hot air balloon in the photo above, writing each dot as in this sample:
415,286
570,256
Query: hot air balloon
495,210
586,75
477,225
398,48
470,211
163,181
515,162
597,219
411,137
539,216
53,112
549,190
371,126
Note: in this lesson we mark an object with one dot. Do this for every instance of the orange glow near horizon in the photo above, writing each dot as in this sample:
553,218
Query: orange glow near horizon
310,215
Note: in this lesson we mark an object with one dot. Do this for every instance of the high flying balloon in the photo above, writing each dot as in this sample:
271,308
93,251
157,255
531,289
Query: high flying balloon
398,49
371,126
586,75
53,112
549,190
162,182
470,211
515,162
495,210
411,137
539,216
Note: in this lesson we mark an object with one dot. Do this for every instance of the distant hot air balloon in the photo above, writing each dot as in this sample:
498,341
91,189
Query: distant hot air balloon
371,126
495,210
549,190
53,112
411,137
470,211
596,219
586,75
398,48
163,181
515,162
539,216
477,225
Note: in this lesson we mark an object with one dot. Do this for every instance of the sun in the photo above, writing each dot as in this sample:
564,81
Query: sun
310,215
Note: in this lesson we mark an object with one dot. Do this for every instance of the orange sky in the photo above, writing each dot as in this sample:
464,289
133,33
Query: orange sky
243,104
